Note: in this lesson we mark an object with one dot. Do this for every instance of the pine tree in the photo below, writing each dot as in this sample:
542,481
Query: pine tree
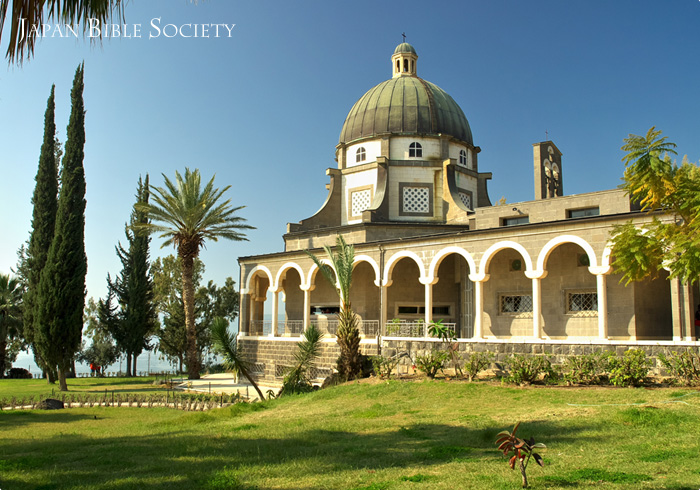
133,318
61,297
45,201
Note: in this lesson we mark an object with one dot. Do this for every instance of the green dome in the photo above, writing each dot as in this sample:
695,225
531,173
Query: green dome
405,48
405,105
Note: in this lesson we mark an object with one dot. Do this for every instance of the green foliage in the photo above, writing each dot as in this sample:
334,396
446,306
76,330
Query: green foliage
225,344
684,367
448,336
61,294
384,366
476,362
45,205
132,320
298,379
187,215
433,362
631,369
585,369
339,275
522,450
654,180
527,369
10,316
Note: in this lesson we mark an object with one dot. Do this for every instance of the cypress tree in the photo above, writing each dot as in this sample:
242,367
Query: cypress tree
61,298
45,201
135,321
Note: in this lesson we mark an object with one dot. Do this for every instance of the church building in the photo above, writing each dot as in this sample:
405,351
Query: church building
409,194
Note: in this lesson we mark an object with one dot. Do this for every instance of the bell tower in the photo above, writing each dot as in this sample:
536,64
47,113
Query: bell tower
548,170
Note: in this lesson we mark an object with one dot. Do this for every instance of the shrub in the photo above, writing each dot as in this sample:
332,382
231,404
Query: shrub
527,369
477,362
684,367
630,369
384,366
19,373
522,449
585,369
432,363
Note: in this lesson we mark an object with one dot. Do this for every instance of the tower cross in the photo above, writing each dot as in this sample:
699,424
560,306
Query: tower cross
404,36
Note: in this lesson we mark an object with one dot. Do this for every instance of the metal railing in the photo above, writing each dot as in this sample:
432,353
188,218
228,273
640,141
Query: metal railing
295,328
411,329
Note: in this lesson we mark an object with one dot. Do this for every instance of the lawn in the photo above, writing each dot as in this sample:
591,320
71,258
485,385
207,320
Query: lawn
39,387
386,435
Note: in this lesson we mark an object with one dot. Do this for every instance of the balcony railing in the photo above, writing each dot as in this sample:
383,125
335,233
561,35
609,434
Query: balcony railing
368,328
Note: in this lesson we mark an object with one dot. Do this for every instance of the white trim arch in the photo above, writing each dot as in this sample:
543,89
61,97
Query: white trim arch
560,240
394,259
253,273
497,247
372,263
285,267
314,270
437,260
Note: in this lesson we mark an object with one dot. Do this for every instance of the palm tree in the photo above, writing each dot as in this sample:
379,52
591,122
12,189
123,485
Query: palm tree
339,274
27,13
10,314
298,378
189,215
226,345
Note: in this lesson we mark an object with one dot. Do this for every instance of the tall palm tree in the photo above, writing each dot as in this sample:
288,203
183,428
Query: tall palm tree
339,274
226,345
186,215
24,14
10,314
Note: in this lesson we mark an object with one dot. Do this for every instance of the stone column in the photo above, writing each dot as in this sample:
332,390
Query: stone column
307,308
275,312
536,277
428,307
478,280
602,290
682,310
383,308
243,314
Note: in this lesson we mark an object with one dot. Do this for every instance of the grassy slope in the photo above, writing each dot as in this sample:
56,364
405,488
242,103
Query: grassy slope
35,387
393,435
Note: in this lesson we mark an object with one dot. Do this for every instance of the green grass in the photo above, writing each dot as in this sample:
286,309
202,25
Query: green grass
39,387
386,436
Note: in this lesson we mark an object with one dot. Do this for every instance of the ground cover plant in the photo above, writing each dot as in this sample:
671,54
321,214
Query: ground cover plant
370,435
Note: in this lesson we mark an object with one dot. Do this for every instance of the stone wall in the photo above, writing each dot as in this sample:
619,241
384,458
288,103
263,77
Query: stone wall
559,351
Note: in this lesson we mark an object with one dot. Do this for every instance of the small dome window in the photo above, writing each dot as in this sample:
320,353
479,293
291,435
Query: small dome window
415,150
360,154
462,157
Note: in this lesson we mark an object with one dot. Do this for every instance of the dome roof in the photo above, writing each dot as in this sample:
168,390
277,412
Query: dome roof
405,105
405,48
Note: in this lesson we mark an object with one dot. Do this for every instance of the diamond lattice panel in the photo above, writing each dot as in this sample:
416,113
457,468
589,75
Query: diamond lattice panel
361,201
466,199
416,200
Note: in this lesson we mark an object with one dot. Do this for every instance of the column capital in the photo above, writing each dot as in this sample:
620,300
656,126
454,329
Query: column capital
600,270
479,277
536,274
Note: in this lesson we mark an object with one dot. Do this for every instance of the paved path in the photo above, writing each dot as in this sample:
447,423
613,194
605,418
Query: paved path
224,383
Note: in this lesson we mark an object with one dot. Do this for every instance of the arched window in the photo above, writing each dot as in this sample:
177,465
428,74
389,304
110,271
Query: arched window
360,155
462,157
415,150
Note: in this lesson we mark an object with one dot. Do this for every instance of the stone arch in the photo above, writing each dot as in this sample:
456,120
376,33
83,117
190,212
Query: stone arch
285,267
437,260
497,247
555,242
372,263
394,259
254,272
311,278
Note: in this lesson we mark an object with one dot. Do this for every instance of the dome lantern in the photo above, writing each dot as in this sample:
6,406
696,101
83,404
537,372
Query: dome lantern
403,61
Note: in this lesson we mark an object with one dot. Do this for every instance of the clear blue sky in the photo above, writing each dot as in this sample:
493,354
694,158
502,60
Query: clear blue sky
263,109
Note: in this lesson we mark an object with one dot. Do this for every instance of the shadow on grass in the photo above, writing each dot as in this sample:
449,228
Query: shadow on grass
16,418
188,457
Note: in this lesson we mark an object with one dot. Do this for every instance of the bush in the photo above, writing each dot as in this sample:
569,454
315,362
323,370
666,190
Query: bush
477,362
631,369
19,373
432,363
384,366
585,369
527,369
684,367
